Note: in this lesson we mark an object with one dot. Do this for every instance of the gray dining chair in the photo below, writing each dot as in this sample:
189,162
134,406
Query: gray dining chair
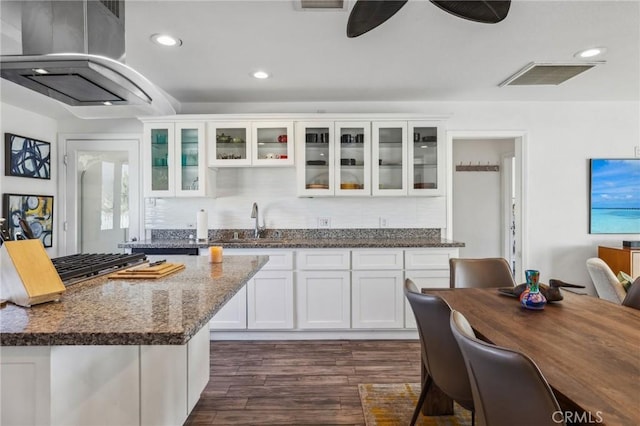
480,273
507,386
440,352
632,299
605,281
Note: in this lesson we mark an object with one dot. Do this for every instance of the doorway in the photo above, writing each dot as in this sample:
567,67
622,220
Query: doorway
486,183
102,193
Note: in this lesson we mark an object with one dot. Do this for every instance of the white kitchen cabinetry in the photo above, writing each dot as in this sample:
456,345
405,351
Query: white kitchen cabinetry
233,315
323,299
427,268
246,143
266,302
353,158
389,157
377,298
315,158
174,160
426,158
323,289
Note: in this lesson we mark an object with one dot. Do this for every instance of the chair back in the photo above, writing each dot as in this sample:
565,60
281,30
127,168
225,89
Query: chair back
632,299
508,388
441,354
605,281
480,273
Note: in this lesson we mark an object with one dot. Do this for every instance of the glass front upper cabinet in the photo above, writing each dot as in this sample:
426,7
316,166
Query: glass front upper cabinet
272,143
161,139
389,163
426,159
315,156
190,166
229,144
353,158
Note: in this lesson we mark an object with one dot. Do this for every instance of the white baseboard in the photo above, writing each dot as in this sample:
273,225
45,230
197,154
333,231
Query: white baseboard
316,335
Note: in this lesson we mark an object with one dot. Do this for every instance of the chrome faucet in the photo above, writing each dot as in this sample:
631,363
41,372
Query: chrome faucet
255,215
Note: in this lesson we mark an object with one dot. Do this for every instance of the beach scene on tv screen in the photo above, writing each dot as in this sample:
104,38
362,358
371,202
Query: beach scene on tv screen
615,196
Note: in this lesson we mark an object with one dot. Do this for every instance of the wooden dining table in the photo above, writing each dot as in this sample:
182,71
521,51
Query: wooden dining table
587,348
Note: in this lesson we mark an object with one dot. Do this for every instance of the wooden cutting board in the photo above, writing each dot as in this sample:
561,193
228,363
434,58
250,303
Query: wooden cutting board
148,272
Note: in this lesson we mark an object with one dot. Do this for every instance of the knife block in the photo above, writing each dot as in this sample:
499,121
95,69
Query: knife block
27,275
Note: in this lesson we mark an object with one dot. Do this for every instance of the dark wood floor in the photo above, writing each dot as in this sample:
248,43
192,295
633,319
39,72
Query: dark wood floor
299,382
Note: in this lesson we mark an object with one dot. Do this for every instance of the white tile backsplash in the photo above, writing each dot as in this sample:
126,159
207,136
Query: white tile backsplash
274,189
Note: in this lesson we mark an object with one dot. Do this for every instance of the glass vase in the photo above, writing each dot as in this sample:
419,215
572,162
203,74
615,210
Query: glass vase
531,298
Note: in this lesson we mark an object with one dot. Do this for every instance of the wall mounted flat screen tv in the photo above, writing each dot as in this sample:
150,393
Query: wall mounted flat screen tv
615,196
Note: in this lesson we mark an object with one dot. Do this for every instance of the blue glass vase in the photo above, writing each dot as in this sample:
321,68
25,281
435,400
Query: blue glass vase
531,298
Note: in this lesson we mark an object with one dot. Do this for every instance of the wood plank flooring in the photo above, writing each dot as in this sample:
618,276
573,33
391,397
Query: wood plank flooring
299,382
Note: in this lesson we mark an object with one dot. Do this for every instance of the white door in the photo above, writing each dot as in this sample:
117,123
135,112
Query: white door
101,187
323,299
270,300
377,299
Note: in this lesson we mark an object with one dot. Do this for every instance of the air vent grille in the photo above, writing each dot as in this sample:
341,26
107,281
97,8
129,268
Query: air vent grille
537,74
113,6
320,4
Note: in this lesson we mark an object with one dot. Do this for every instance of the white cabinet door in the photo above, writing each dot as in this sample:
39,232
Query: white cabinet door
426,160
389,159
190,166
323,299
315,158
233,315
273,143
229,144
270,300
377,299
353,158
158,159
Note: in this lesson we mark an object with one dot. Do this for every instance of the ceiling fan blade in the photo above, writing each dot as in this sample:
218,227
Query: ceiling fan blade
368,14
486,12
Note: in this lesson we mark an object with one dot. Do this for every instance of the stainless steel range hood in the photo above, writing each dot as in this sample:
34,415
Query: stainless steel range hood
73,51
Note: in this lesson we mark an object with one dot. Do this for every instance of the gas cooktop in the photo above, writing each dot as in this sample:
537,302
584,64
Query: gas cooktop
80,267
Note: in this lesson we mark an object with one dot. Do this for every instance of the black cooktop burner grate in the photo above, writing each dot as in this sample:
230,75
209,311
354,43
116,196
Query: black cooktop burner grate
78,267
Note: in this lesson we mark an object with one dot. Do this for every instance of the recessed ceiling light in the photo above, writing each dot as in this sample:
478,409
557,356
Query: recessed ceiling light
107,103
166,40
40,71
261,75
591,52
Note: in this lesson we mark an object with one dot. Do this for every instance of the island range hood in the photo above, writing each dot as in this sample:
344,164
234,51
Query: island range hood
73,51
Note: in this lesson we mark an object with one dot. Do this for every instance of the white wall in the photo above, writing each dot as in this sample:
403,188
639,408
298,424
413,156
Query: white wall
560,138
477,197
25,123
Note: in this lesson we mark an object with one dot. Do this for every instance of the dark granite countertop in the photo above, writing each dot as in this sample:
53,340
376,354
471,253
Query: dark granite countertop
296,243
298,238
165,311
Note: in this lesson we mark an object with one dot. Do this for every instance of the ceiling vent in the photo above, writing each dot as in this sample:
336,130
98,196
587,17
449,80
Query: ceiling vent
320,4
538,74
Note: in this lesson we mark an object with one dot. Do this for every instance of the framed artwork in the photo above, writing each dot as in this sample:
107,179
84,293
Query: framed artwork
35,210
26,157
614,196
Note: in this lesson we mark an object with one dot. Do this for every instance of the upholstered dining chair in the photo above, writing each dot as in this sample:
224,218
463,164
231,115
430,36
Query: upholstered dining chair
508,387
480,273
605,281
440,352
632,299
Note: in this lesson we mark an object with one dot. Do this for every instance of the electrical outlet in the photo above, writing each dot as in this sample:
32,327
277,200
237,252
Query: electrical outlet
383,222
324,222
636,151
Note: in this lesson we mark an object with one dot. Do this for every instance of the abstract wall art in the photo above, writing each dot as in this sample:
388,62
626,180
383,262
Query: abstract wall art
34,210
26,157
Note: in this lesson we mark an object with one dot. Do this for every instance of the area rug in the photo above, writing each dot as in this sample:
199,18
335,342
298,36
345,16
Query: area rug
393,404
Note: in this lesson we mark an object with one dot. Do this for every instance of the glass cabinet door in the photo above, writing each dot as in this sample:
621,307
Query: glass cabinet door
426,153
353,158
189,165
389,158
229,144
273,144
315,158
159,180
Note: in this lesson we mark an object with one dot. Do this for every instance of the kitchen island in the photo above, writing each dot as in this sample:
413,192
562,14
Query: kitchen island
117,352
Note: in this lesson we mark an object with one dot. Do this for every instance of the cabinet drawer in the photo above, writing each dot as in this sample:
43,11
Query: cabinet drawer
377,259
428,258
323,259
431,278
279,260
